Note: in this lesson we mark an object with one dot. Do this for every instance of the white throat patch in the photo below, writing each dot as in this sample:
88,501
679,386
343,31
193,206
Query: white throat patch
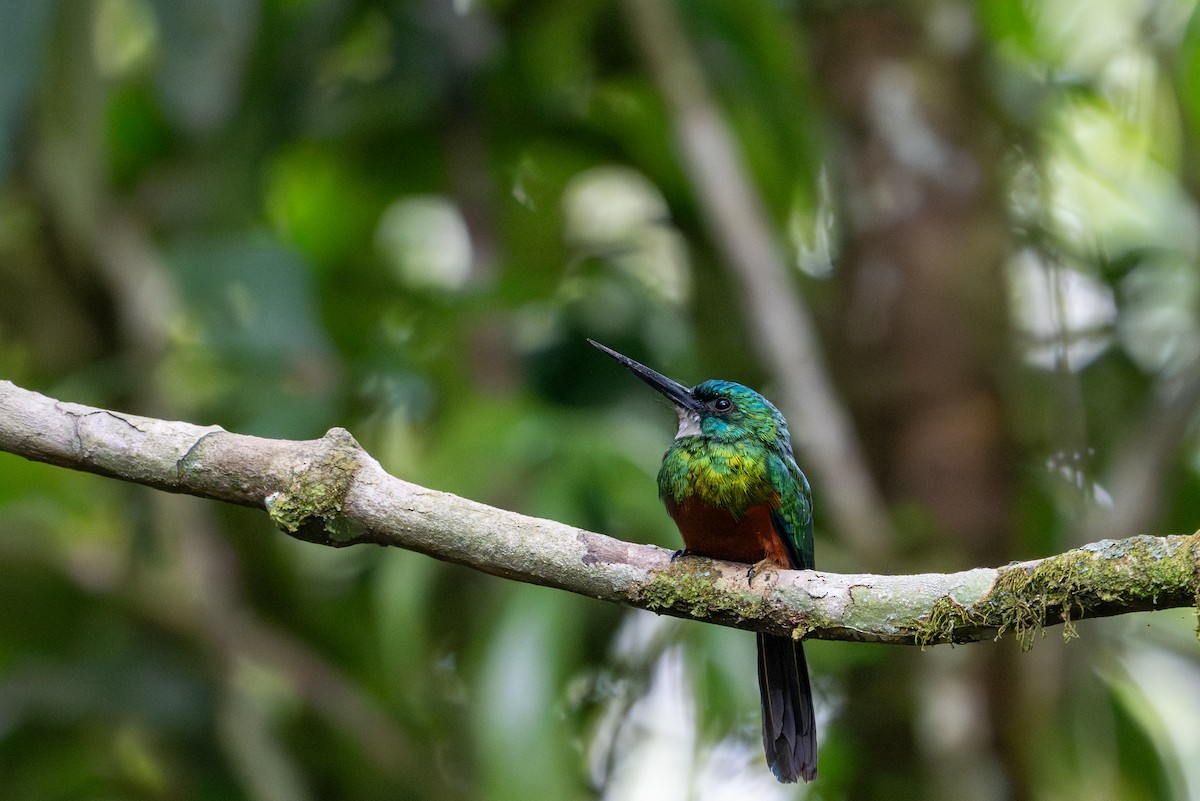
689,423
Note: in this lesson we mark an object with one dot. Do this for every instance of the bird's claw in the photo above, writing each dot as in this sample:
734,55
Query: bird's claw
756,568
681,552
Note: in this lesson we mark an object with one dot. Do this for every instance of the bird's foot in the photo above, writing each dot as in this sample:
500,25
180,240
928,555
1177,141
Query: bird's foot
758,567
681,552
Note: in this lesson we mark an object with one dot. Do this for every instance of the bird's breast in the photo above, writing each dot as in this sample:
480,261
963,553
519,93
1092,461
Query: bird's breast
729,476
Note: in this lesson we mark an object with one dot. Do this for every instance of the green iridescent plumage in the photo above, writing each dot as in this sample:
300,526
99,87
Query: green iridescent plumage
739,460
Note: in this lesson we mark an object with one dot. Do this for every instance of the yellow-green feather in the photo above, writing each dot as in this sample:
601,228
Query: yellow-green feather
731,476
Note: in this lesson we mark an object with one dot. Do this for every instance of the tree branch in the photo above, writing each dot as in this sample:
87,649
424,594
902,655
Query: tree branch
330,491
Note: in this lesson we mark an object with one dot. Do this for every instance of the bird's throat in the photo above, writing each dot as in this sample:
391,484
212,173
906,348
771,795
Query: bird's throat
689,423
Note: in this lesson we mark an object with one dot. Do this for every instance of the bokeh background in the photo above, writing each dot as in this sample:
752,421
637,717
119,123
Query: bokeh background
956,242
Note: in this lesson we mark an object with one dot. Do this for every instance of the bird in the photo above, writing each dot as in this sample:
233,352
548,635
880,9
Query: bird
731,484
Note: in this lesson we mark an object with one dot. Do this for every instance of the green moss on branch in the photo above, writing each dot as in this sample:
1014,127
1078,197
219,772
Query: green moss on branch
310,507
1106,577
690,584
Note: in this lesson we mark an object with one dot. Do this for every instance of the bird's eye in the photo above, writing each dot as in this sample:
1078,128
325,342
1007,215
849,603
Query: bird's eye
722,405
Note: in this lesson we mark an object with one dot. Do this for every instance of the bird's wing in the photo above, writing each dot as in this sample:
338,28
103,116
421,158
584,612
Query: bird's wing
793,518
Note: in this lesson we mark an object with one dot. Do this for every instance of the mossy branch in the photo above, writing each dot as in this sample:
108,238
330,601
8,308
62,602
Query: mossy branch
331,492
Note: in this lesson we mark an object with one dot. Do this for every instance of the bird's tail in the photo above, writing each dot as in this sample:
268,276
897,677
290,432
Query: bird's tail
788,723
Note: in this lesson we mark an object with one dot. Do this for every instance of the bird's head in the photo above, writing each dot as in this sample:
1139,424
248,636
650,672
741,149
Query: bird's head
722,411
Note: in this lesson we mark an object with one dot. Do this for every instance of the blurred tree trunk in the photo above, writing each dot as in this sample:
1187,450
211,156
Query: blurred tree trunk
923,332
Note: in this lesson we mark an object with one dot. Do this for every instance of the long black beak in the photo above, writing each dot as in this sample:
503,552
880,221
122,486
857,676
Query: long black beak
680,395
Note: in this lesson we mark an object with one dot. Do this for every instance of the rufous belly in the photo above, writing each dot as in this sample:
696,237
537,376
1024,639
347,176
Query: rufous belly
708,531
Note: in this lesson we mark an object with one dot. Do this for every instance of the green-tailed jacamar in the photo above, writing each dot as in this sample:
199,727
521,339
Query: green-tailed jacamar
731,484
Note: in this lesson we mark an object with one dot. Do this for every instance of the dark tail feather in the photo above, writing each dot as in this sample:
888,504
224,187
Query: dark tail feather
789,725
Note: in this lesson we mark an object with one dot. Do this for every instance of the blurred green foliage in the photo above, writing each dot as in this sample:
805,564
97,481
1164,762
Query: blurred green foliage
404,217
